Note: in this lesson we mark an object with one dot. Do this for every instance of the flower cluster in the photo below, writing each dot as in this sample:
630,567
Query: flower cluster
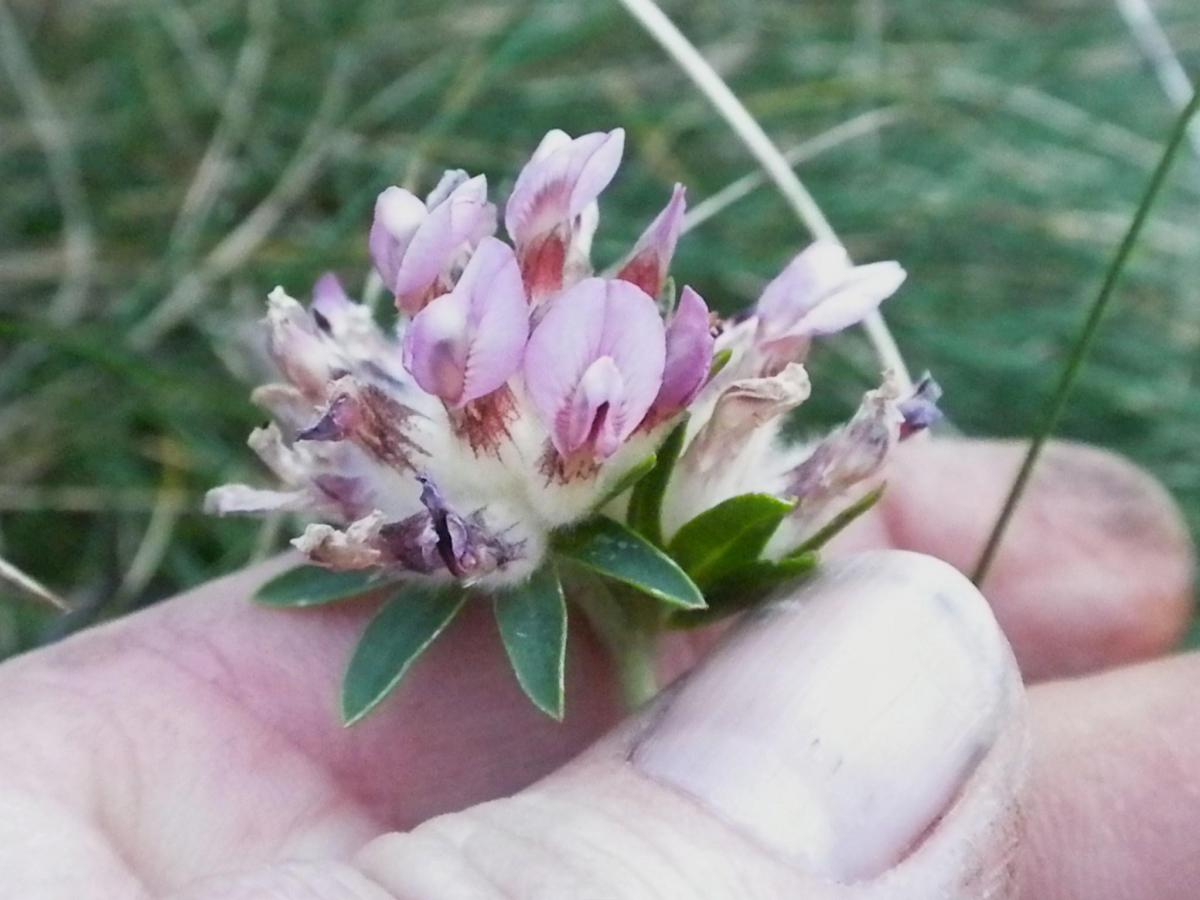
520,390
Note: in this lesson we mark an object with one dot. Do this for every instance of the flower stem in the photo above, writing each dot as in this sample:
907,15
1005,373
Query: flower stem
1083,343
637,673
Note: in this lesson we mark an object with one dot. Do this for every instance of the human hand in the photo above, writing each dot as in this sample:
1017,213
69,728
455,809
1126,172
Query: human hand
873,733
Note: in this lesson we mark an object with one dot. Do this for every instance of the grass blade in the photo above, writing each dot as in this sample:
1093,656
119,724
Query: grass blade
1087,336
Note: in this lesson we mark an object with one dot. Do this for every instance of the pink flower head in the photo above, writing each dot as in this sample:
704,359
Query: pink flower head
689,341
417,248
547,211
330,302
467,343
822,292
648,263
595,364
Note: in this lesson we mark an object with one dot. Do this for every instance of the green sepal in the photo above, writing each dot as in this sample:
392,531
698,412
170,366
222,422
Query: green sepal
745,588
404,626
728,536
532,617
611,549
645,503
839,522
720,360
631,477
316,586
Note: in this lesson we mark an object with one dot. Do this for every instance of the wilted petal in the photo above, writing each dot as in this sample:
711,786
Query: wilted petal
853,453
358,547
241,499
650,260
595,319
743,407
822,292
330,302
293,341
375,421
689,340
467,343
560,180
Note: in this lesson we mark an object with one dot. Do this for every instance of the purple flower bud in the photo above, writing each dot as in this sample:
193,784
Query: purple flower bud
650,259
689,356
595,364
467,343
547,209
920,410
822,292
418,249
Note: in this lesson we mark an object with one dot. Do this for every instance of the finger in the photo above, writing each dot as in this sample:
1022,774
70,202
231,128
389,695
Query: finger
1116,785
211,705
863,739
1096,568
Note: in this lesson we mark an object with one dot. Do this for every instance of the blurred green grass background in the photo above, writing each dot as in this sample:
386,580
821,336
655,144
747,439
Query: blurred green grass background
164,163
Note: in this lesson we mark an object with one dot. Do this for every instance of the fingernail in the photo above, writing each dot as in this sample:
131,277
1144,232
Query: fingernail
835,726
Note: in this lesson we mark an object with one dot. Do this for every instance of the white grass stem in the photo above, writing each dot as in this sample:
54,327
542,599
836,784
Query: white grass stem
764,150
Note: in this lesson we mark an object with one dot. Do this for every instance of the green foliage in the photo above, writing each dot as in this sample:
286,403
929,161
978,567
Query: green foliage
533,624
610,549
645,503
1019,140
315,586
746,587
726,537
404,626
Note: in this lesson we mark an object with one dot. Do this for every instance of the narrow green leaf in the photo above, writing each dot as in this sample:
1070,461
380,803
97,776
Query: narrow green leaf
720,360
611,549
400,631
314,586
745,588
1087,335
839,522
645,503
629,479
727,536
533,624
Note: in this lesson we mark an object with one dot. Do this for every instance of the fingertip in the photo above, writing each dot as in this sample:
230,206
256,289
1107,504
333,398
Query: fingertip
1096,568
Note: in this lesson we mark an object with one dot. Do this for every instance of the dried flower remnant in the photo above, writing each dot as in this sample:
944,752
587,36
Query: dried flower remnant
510,419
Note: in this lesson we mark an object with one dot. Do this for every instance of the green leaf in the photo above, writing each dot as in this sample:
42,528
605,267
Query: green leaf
314,586
745,588
400,631
611,549
645,504
727,536
628,480
839,522
533,624
720,361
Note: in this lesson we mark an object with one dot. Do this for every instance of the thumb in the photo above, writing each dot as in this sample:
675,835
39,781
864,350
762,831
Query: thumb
862,738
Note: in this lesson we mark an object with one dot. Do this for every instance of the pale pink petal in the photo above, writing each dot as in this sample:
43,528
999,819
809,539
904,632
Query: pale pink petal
559,182
650,259
452,228
592,412
634,337
689,356
864,289
811,276
498,320
467,343
562,346
398,215
590,321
